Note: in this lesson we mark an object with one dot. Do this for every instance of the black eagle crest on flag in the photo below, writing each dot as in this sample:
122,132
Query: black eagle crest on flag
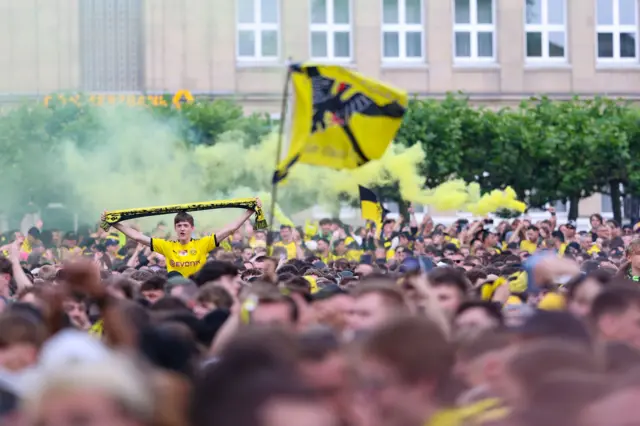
329,97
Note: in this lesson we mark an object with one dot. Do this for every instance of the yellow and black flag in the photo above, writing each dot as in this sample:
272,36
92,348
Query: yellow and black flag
340,119
372,209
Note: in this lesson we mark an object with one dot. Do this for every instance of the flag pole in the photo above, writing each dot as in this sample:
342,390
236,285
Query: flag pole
274,185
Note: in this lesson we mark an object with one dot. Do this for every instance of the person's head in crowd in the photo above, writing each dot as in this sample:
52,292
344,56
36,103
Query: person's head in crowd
32,296
182,288
76,308
542,324
324,369
617,405
339,247
582,290
122,288
380,255
255,384
286,234
475,317
633,257
33,235
110,391
561,399
272,308
615,314
152,289
480,362
614,226
536,360
603,232
70,240
449,250
620,358
6,273
246,253
375,302
595,220
224,273
210,297
183,225
586,241
112,247
457,258
489,239
141,276
449,288
323,246
364,269
401,254
21,337
533,234
332,306
399,386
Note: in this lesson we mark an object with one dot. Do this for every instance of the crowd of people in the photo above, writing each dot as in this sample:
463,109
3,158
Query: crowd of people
484,322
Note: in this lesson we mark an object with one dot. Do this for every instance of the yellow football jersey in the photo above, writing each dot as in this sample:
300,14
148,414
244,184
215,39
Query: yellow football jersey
188,258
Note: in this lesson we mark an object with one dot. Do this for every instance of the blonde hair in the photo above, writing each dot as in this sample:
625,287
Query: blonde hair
118,377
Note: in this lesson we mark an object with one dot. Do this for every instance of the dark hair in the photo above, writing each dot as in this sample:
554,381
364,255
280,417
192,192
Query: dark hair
5,266
288,269
183,217
447,276
214,270
615,300
169,303
492,309
155,282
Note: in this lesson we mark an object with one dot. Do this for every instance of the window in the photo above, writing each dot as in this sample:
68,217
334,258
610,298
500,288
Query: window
111,44
546,36
402,30
617,30
258,35
331,30
474,30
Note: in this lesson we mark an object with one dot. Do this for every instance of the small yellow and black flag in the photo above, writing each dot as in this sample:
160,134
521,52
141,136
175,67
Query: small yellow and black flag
371,207
340,119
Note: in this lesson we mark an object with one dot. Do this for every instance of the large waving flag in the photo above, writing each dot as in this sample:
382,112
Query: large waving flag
340,119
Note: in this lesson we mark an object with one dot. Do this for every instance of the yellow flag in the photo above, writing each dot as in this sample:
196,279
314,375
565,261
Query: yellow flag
340,119
369,205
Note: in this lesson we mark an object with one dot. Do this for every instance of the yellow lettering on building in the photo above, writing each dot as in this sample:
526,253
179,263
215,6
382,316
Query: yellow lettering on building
181,97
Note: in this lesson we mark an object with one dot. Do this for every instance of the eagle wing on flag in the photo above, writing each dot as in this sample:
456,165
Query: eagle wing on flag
341,119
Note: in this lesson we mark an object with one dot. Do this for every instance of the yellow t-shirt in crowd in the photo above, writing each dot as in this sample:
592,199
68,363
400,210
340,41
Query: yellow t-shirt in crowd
26,246
475,414
188,258
292,251
326,259
593,250
528,246
562,249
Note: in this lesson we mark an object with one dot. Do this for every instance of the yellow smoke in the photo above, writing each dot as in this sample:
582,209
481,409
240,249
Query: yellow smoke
141,161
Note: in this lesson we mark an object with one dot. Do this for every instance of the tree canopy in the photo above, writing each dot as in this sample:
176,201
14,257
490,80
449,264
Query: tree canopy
546,150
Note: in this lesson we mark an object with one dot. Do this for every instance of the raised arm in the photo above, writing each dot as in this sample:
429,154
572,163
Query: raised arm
134,234
235,225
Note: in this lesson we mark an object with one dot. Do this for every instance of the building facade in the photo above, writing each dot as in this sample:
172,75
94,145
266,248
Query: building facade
496,51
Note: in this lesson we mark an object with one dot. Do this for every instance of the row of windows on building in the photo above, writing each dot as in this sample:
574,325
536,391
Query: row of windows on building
403,30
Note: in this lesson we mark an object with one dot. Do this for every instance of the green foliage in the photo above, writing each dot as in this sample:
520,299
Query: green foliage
31,136
545,150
